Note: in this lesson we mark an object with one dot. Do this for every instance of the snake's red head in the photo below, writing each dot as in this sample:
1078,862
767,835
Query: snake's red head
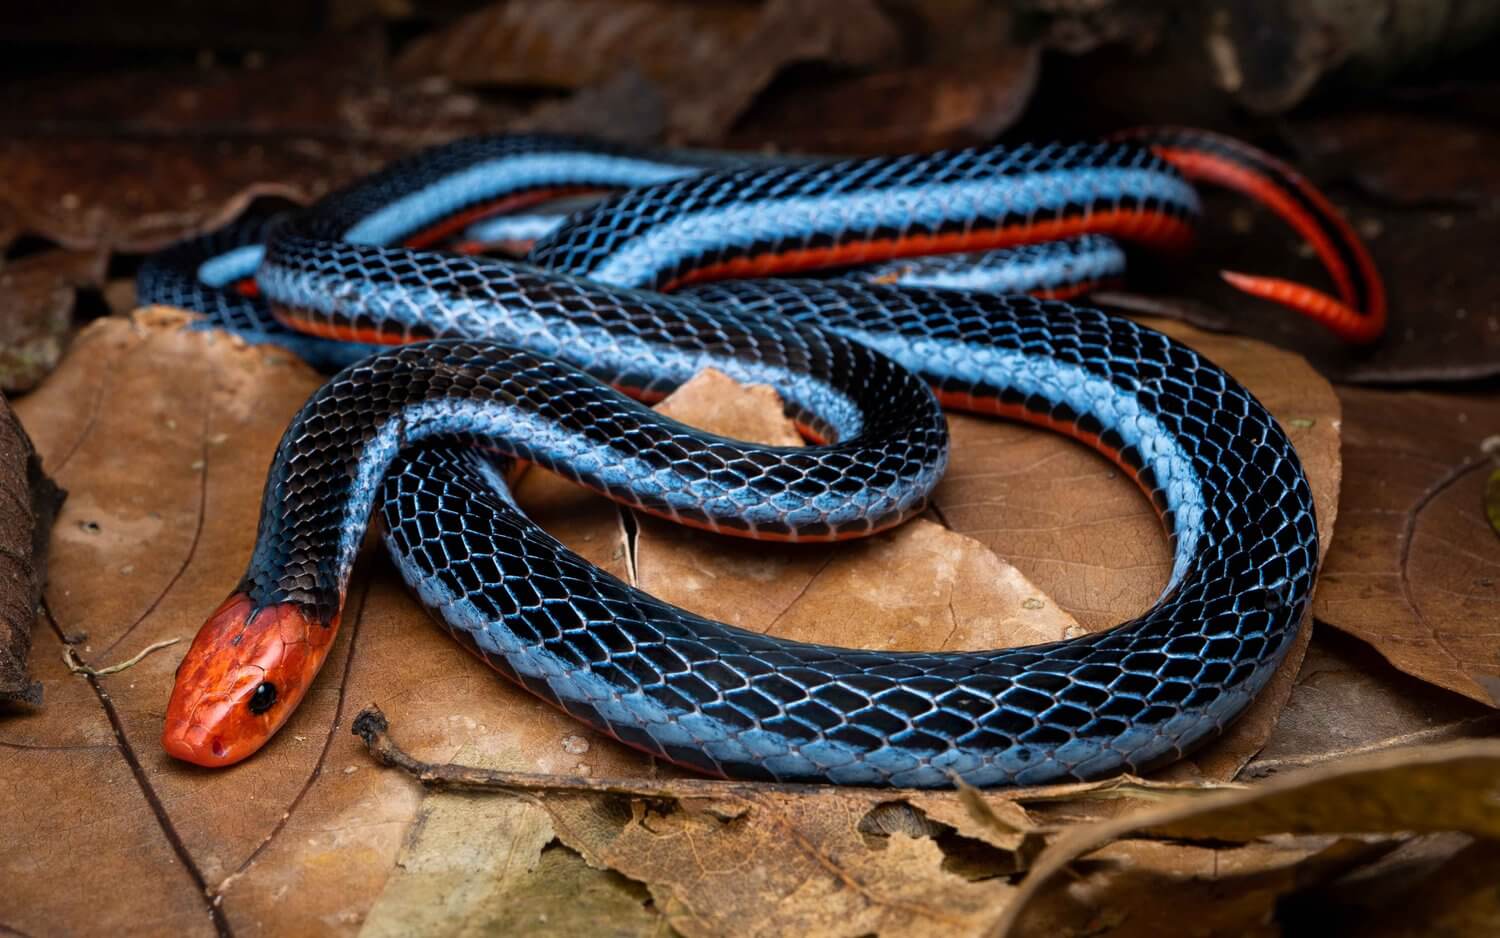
245,674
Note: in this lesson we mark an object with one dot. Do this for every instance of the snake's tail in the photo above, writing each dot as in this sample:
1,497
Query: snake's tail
1358,314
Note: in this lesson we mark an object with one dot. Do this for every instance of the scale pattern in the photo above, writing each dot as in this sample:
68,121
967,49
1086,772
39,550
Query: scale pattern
718,224
707,695
321,486
172,278
1068,264
702,693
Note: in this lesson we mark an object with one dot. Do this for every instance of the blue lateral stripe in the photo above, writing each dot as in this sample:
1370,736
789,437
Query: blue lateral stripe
635,262
483,181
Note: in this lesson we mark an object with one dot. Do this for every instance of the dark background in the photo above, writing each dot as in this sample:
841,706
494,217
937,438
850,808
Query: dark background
127,125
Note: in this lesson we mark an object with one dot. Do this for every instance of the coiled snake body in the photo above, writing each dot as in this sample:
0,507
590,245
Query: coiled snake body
522,356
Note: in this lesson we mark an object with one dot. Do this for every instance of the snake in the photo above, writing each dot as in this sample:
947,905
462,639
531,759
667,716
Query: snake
485,363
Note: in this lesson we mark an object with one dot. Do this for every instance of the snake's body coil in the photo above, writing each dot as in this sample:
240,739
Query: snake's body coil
521,358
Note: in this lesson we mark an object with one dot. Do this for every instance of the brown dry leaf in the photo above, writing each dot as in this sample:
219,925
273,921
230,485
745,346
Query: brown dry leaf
134,161
457,869
1145,889
1349,701
28,502
1416,569
807,864
37,295
735,52
972,72
1457,898
1492,500
577,43
919,108
71,813
1451,787
141,195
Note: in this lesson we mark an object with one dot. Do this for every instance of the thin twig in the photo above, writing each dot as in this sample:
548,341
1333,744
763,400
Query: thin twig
372,726
76,665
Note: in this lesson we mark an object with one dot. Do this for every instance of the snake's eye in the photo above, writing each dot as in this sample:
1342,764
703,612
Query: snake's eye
263,697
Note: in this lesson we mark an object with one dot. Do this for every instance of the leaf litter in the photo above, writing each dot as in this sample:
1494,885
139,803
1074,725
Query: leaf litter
163,434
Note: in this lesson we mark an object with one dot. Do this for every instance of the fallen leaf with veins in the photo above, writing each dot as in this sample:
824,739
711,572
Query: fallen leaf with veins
1448,787
1349,701
1415,571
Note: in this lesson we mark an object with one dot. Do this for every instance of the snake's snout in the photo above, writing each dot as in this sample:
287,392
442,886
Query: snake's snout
197,744
243,676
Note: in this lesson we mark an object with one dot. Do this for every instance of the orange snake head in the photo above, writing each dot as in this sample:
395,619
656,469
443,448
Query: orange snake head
244,675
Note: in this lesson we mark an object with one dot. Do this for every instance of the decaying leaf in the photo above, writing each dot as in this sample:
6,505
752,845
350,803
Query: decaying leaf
1457,898
133,161
1416,569
919,108
736,50
1349,701
37,297
1146,888
457,869
1492,500
1435,788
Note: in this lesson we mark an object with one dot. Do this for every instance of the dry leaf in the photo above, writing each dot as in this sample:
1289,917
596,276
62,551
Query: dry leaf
577,43
1492,500
1349,701
1457,898
735,52
457,870
133,161
897,110
1145,889
1450,787
1415,571
37,295
800,864
74,817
